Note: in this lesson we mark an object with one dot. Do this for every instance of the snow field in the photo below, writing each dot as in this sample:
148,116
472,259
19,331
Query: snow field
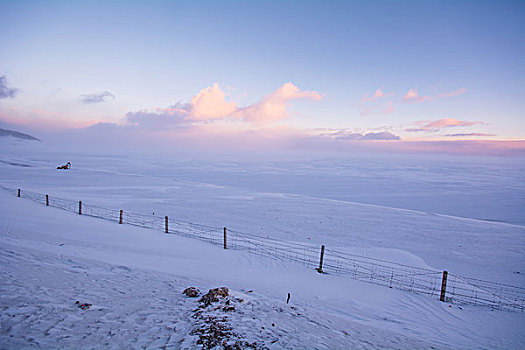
134,278
51,258
460,245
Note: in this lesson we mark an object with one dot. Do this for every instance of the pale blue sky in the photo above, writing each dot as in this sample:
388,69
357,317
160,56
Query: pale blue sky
153,54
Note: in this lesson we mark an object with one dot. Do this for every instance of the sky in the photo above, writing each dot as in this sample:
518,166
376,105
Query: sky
413,75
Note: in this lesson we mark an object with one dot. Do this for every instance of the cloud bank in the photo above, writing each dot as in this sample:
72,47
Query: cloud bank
343,135
210,121
165,119
475,134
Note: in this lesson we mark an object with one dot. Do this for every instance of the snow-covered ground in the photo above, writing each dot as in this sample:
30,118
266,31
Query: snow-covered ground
134,277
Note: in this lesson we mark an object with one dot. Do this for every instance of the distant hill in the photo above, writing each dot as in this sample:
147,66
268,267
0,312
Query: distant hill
16,134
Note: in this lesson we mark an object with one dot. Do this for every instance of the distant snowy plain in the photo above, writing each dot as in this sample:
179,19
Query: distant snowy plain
463,215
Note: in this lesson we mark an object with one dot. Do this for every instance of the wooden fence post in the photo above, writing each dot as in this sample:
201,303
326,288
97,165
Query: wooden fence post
47,200
225,240
79,207
320,268
120,218
166,223
18,192
443,286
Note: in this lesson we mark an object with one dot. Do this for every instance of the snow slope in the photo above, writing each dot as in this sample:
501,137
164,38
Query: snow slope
134,277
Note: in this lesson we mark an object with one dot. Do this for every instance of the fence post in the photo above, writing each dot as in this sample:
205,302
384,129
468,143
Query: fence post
320,268
443,286
225,240
166,223
47,200
79,207
18,192
120,218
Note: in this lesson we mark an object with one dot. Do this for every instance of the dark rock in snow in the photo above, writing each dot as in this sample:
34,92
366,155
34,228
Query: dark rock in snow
213,295
192,292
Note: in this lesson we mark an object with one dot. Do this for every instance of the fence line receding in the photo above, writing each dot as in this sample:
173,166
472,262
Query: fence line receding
459,289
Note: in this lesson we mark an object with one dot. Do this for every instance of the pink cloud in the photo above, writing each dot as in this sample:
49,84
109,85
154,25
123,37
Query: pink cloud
375,103
210,103
439,124
378,94
272,108
413,97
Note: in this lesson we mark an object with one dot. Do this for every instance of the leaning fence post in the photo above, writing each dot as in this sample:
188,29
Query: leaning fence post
79,207
120,218
225,240
320,268
47,200
443,286
166,223
18,192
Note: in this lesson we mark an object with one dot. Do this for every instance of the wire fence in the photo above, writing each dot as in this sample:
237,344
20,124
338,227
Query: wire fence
459,289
